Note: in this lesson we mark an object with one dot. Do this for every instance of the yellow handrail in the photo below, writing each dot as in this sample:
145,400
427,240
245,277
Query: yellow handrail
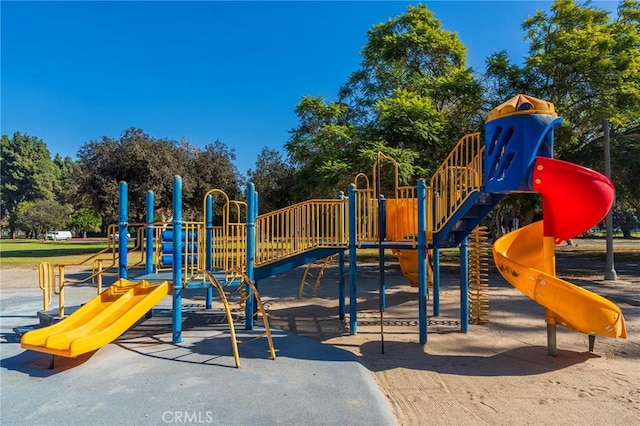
459,176
47,282
299,228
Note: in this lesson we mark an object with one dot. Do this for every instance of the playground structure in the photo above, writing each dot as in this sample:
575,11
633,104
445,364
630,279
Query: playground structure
515,156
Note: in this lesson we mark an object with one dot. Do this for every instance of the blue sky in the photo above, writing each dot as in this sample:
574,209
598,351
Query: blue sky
205,71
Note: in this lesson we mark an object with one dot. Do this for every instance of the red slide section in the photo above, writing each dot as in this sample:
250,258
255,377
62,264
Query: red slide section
574,198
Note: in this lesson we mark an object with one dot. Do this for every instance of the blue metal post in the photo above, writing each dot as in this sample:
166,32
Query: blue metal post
421,193
177,259
436,282
208,247
353,283
148,267
341,292
341,283
464,285
149,233
381,236
251,253
123,211
255,281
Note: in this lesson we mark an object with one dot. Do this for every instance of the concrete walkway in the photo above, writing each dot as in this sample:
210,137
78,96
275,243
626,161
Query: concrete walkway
143,378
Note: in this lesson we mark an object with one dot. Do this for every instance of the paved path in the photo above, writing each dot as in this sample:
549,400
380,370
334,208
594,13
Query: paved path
145,379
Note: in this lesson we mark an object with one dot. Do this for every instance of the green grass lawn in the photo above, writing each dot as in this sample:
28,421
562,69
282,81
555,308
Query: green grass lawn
30,253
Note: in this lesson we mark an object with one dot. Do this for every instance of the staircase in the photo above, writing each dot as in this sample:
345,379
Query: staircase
465,219
458,198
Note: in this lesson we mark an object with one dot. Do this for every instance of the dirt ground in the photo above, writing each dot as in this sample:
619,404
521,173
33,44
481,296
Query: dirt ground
497,373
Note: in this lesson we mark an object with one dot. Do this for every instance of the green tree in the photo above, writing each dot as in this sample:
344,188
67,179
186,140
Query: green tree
35,218
68,191
585,63
418,70
85,219
148,163
26,172
211,167
136,158
413,97
602,80
625,163
274,179
323,148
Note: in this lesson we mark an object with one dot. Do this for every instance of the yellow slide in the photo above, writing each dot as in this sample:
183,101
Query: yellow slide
574,199
402,221
519,257
98,322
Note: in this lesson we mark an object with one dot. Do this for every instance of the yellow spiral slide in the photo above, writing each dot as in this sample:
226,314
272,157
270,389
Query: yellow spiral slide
574,199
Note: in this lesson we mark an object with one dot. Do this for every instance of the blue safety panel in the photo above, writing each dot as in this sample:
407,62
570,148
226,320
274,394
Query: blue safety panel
512,144
167,260
167,235
292,262
167,248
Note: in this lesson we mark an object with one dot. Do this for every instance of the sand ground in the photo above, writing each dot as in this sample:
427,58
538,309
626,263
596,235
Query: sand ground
497,373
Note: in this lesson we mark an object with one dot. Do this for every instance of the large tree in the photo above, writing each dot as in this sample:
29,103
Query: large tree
148,163
27,172
35,218
211,168
413,97
584,62
274,179
85,220
70,177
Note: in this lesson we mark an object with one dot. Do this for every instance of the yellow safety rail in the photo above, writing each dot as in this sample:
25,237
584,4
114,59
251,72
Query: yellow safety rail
366,209
51,282
229,238
246,282
193,253
401,227
47,282
299,228
459,176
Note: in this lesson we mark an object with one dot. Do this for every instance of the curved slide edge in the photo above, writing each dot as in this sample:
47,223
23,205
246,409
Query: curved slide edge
98,322
574,199
518,256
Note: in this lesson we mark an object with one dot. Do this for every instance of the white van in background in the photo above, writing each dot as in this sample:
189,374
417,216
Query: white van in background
59,235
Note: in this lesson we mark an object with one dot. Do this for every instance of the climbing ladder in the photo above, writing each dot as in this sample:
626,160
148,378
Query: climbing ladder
312,276
479,252
243,291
